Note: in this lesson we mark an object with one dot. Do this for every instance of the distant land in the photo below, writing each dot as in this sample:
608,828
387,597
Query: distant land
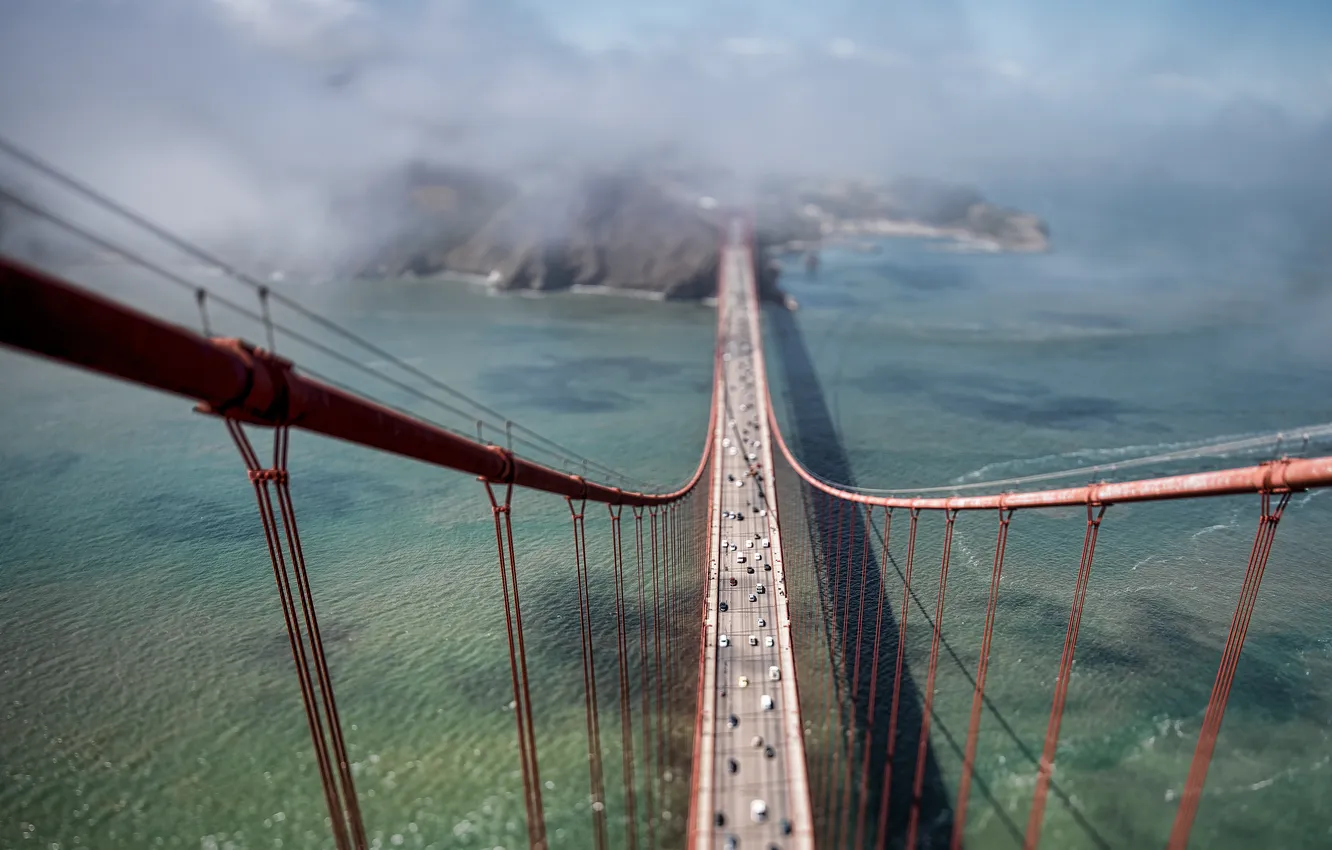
798,215
654,233
650,231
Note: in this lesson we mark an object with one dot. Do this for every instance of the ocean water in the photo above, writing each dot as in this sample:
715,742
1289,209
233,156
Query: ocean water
1132,339
148,697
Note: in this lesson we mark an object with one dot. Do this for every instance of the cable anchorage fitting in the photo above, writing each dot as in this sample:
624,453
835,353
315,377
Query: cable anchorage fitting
508,469
268,396
1271,477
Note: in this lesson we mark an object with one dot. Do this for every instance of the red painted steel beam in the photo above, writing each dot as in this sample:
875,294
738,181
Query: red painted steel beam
43,315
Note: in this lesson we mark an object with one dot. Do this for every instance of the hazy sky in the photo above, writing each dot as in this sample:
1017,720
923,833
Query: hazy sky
266,104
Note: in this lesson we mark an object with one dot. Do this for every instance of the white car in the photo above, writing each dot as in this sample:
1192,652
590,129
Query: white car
758,810
759,589
768,640
749,544
753,640
723,641
740,559
767,544
766,702
774,674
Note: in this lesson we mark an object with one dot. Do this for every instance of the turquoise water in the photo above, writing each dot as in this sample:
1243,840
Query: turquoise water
1132,340
148,695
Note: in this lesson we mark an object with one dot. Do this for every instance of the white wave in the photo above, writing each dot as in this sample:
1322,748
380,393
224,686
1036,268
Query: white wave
1309,497
1209,529
618,292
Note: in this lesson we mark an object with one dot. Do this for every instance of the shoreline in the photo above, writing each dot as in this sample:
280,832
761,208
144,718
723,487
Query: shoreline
852,233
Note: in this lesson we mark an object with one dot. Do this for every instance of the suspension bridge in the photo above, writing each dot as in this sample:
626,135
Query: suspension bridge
760,649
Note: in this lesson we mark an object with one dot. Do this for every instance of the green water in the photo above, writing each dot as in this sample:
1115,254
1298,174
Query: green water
149,697
938,368
146,680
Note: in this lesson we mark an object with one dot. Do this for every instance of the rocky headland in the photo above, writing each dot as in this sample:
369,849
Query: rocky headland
801,215
651,234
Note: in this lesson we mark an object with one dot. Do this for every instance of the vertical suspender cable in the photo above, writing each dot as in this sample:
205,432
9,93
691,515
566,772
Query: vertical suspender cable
622,647
823,588
668,673
522,695
653,516
598,790
853,738
846,705
819,502
978,696
838,577
303,631
874,681
885,797
645,681
1036,818
1225,675
282,440
923,746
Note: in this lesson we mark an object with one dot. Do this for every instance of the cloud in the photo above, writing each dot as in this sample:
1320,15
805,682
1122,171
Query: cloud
211,114
750,46
843,48
298,24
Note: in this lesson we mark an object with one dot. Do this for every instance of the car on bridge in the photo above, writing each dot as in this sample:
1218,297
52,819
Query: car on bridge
758,810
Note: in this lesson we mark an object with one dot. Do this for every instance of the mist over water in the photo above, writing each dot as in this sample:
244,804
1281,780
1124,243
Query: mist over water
259,126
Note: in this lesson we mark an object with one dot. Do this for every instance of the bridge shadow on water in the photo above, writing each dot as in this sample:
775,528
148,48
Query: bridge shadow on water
813,438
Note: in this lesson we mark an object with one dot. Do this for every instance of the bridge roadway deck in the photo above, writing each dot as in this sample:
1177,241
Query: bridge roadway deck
750,745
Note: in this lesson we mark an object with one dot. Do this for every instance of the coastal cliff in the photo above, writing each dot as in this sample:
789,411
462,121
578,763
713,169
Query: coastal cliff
617,230
652,234
801,215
